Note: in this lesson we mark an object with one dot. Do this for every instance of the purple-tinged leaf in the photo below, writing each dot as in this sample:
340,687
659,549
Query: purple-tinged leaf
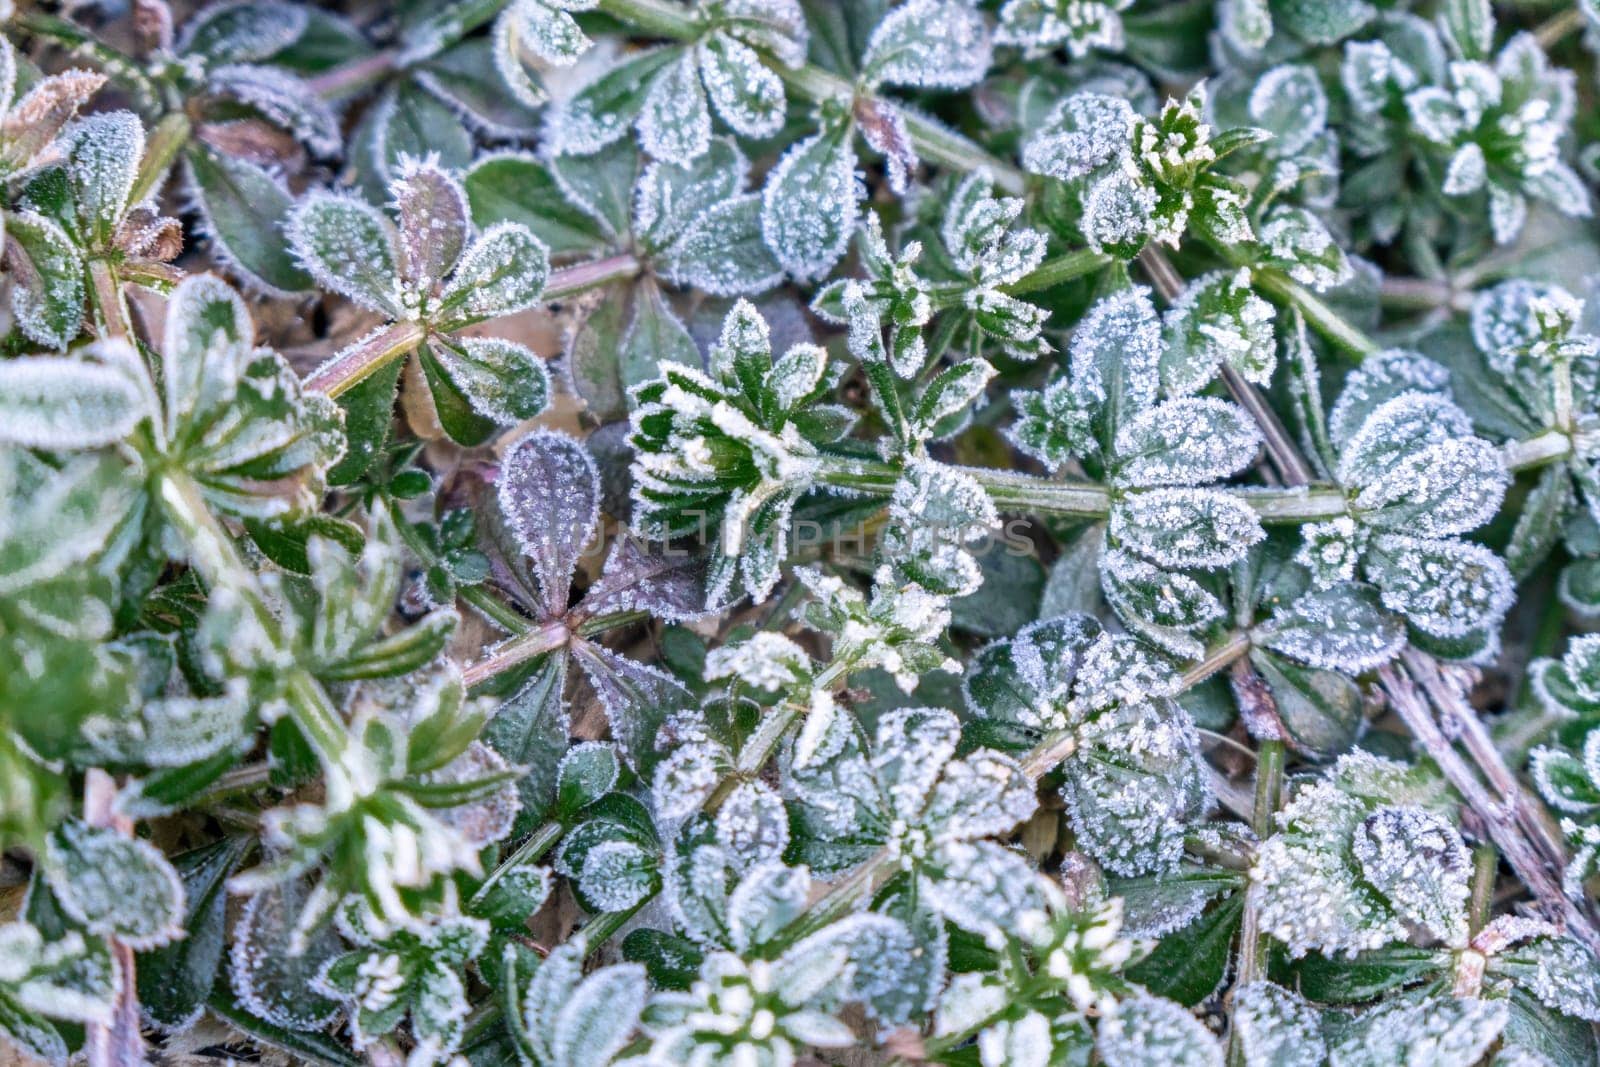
648,576
638,701
549,494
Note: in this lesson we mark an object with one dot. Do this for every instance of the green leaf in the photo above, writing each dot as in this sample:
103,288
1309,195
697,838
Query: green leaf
283,541
368,409
503,272
1320,710
522,189
672,962
1353,979
456,414
47,294
243,210
587,772
1189,965
176,980
348,247
114,886
530,731
503,381
67,404
1539,522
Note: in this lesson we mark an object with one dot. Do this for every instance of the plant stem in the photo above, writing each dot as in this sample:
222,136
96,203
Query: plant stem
353,365
1504,815
1420,294
1549,447
166,140
1269,790
1025,493
80,41
541,639
354,76
1550,32
1320,316
932,140
1485,864
109,301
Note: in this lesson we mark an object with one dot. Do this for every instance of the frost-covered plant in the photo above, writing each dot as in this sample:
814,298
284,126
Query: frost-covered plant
1044,539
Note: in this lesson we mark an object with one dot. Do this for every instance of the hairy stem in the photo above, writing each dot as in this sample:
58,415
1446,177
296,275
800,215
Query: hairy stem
1270,760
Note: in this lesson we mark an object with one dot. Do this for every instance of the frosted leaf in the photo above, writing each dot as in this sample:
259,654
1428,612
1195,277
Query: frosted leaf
616,875
1276,1028
103,153
1564,780
600,112
47,271
1115,353
56,516
241,31
1331,550
1298,243
1513,315
114,886
1085,132
910,752
928,44
504,381
983,794
1397,430
637,699
1155,906
1119,215
1288,100
747,95
434,220
349,248
808,210
1449,487
1445,588
1559,971
1027,680
882,126
723,252
686,778
1466,172
284,101
65,978
1217,321
752,824
1185,528
538,28
669,584
66,404
1134,785
595,1020
1081,25
1052,425
1418,861
1117,669
1508,211
1147,1030
667,197
1164,606
549,493
1187,441
501,273
934,511
486,818
1439,1031
767,661
269,981
1342,628
675,121
982,887
1382,377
